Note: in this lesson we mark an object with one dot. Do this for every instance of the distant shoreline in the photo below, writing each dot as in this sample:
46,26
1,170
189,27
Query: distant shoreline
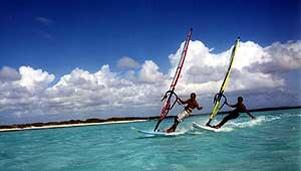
116,120
64,124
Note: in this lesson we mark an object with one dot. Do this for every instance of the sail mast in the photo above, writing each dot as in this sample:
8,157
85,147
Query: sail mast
167,106
217,104
165,110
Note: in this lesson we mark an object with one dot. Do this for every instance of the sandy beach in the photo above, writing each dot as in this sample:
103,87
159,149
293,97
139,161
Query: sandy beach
70,125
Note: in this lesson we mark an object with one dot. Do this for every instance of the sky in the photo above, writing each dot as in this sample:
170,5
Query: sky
79,59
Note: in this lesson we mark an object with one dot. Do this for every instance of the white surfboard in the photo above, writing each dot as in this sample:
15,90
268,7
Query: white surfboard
206,128
158,133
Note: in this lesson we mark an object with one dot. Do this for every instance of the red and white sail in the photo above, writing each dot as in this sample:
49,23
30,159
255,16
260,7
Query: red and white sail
167,106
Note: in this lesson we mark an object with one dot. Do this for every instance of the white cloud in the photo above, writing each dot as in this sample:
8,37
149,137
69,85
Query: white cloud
44,20
34,80
204,69
127,63
279,58
9,74
266,76
25,95
84,92
149,72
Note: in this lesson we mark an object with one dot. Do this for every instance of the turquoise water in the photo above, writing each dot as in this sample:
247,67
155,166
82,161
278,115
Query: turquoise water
272,142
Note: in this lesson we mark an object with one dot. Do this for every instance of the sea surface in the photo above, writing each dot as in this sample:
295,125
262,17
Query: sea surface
271,142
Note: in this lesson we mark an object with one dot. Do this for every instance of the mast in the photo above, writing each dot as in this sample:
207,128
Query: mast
181,62
220,94
168,95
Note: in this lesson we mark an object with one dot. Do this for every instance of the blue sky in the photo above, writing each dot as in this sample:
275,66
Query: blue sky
88,34
81,59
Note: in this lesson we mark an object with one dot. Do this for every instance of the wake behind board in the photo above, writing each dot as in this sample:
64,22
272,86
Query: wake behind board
205,128
158,133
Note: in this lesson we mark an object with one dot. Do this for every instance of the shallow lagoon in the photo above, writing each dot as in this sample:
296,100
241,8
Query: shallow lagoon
271,142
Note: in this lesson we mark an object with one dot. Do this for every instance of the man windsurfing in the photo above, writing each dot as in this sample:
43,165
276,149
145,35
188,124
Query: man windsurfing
239,107
191,104
168,105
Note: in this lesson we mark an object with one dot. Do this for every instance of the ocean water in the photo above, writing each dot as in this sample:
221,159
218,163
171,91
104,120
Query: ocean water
271,142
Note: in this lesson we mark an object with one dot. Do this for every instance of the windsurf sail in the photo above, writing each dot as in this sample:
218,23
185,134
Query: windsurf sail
218,97
167,99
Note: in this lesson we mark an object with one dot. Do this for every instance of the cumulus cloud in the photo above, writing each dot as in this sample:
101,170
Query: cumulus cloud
85,92
34,80
279,58
127,63
150,72
9,74
266,76
25,95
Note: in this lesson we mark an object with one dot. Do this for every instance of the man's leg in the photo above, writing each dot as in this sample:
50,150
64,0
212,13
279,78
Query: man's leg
174,126
226,119
158,123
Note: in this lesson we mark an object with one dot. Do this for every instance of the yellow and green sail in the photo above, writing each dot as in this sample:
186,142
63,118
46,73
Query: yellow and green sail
217,103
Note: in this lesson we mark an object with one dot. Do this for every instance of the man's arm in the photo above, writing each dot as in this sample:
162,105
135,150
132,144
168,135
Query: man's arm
199,107
253,117
183,102
248,113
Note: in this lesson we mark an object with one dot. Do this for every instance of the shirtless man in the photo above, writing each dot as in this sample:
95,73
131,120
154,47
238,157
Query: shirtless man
239,107
191,104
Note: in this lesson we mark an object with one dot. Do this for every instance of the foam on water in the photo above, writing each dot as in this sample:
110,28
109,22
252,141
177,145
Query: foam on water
151,133
239,123
258,121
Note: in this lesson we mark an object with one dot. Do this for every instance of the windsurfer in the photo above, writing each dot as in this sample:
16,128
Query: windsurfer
191,104
239,107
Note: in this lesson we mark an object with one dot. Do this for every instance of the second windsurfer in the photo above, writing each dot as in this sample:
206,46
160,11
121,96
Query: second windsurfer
191,104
